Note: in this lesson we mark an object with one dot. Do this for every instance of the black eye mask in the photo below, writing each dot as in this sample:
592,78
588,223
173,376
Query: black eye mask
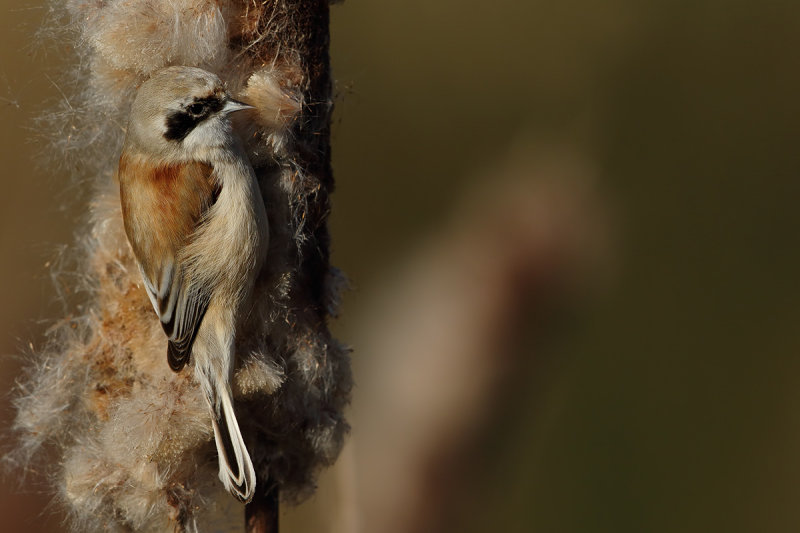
181,123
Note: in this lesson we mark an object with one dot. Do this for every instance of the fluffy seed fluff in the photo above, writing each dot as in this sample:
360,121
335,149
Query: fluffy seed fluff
132,439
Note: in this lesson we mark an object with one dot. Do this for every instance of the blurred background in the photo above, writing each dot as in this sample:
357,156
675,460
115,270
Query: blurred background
571,233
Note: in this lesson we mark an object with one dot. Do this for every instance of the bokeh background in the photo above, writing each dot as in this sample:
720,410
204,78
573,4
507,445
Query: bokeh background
638,366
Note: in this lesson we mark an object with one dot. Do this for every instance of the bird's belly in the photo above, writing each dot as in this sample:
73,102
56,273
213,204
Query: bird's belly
230,246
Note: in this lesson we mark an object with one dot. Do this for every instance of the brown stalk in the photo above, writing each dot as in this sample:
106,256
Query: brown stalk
261,514
303,27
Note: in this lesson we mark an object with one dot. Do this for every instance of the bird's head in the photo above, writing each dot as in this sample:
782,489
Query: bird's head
181,114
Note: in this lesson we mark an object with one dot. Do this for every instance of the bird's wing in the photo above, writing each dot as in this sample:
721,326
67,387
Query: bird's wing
181,306
163,208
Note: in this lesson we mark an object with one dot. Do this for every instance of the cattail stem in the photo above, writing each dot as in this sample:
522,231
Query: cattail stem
261,514
303,26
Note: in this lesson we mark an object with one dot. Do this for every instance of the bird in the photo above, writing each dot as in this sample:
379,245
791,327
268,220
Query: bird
196,222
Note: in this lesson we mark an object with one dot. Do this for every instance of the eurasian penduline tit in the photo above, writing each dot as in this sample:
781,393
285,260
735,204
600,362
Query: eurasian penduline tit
197,224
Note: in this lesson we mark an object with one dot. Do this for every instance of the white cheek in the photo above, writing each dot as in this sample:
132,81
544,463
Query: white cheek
211,133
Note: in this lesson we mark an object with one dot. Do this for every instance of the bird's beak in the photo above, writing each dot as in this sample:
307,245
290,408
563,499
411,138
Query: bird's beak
232,105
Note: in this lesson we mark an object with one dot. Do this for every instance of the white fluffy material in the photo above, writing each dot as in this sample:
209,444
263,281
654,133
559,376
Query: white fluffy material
133,440
145,35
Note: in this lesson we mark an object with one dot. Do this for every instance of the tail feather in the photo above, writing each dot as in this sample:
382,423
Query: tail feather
235,467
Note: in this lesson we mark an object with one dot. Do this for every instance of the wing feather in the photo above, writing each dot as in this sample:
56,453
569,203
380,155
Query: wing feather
183,328
162,210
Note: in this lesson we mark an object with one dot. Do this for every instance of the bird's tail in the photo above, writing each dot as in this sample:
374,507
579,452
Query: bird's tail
235,467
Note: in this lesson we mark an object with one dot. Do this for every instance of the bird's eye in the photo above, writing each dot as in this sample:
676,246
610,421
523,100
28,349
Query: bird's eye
196,109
